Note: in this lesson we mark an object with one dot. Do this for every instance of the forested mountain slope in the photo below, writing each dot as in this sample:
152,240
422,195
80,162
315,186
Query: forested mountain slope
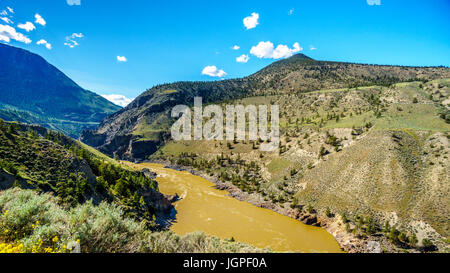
136,131
34,91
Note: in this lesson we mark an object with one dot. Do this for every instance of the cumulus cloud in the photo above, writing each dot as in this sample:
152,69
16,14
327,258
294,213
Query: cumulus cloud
28,26
266,50
39,20
243,58
251,21
121,58
236,47
213,71
73,2
7,33
71,40
6,20
373,2
44,42
120,100
263,50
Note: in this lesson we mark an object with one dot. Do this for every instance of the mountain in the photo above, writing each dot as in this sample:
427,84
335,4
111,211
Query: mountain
34,91
364,148
371,163
137,131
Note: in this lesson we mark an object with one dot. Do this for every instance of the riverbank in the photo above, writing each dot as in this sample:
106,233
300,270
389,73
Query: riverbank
348,242
203,207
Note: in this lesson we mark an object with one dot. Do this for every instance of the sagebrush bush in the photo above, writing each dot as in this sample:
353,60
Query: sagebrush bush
37,222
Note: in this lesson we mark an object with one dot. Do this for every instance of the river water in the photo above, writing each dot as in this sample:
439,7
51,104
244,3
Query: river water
204,208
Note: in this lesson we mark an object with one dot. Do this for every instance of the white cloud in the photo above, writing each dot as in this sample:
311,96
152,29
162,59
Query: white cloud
251,21
71,43
6,20
73,2
121,58
40,20
263,50
236,47
28,26
70,40
312,48
10,9
7,33
3,13
44,42
213,71
243,58
266,50
373,2
291,11
120,100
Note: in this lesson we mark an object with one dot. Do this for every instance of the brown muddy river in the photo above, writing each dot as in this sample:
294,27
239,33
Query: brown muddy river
204,208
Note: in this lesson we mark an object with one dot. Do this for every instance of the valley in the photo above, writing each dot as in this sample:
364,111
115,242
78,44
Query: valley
367,158
213,211
363,158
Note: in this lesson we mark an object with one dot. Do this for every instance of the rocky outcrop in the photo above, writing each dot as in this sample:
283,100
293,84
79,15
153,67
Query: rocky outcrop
173,198
93,139
8,180
309,219
140,149
158,201
149,174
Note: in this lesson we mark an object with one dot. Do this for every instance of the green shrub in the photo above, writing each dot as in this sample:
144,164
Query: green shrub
36,219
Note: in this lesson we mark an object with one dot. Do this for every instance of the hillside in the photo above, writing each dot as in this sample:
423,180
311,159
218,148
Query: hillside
369,155
58,195
363,147
34,91
32,157
137,131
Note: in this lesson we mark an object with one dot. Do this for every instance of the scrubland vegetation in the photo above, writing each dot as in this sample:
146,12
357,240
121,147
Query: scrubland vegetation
377,154
32,222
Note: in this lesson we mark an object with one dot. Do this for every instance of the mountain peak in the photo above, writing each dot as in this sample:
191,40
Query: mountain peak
300,56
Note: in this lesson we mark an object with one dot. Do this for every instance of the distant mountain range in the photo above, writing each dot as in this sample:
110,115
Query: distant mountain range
34,91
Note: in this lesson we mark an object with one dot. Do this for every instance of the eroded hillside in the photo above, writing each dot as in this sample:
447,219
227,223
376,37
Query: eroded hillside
137,131
374,153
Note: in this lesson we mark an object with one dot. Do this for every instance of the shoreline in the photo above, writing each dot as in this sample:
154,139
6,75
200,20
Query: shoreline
346,241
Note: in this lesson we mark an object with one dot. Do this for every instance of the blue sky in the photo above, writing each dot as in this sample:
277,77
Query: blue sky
166,41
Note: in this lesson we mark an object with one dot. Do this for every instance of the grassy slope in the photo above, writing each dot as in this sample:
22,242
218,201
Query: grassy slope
401,180
39,161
